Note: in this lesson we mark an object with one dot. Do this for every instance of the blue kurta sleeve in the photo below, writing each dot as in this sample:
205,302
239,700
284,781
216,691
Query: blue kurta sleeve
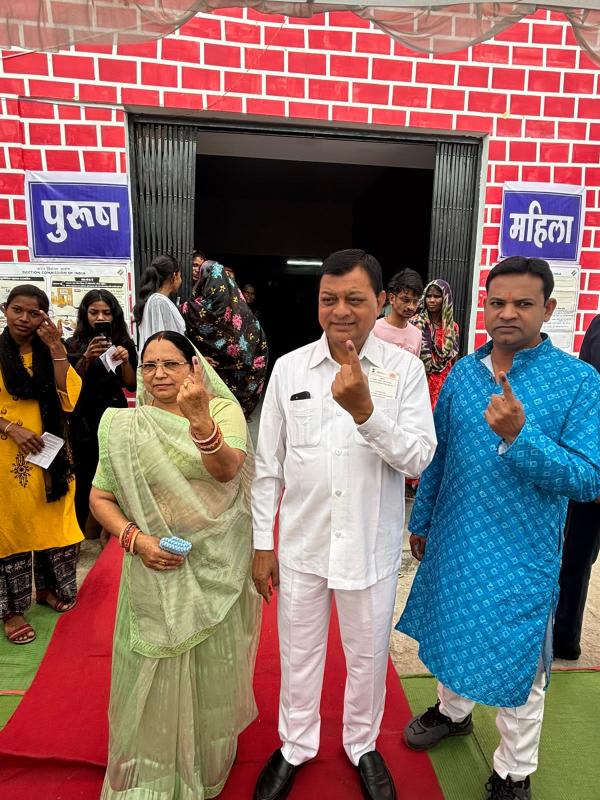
571,465
431,480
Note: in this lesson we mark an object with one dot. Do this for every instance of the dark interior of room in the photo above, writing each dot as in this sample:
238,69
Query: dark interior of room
254,214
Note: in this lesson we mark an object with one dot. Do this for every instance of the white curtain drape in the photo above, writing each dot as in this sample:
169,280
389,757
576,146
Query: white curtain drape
440,27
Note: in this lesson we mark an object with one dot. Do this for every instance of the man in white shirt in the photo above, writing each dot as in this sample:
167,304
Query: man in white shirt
345,420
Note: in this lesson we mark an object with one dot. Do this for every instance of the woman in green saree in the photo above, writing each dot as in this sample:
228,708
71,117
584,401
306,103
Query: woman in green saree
186,632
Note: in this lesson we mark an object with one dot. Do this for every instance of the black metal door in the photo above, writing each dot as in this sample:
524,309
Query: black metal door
163,170
453,224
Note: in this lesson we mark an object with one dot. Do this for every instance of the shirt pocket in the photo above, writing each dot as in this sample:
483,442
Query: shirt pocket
304,423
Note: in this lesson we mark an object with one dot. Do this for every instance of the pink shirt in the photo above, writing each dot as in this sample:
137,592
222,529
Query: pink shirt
408,338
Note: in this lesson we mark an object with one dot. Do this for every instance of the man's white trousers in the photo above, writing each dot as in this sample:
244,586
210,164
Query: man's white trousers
520,728
365,618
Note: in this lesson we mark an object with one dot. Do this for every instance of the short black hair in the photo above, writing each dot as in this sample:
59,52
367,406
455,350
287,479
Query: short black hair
518,265
343,261
407,280
198,254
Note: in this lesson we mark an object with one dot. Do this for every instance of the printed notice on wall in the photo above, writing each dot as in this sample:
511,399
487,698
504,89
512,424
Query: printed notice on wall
561,326
67,284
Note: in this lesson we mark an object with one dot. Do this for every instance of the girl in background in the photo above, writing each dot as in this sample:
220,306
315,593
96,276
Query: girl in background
101,388
154,311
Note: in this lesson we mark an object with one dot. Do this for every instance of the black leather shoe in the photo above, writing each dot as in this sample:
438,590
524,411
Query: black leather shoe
376,781
276,779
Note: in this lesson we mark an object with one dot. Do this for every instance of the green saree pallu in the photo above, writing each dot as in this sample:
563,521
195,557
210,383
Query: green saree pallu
185,640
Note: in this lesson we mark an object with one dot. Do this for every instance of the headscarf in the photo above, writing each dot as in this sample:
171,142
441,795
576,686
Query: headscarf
40,386
172,493
434,358
221,325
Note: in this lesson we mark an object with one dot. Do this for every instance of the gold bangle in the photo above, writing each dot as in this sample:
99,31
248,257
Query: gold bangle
60,359
7,427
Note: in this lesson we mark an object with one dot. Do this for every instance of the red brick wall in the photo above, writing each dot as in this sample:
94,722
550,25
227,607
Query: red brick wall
531,90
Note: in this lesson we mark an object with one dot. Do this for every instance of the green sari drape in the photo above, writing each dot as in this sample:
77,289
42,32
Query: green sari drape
185,640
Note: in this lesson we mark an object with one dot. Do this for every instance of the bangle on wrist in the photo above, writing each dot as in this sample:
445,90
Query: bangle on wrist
126,533
134,536
7,427
64,358
213,446
213,435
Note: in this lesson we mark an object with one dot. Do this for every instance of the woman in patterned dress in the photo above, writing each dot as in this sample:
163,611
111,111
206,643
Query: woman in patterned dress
38,388
439,346
221,325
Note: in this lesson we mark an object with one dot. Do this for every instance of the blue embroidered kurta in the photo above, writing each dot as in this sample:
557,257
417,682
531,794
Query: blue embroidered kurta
493,517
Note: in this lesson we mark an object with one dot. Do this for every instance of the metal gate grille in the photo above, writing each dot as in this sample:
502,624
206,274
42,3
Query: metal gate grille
163,175
453,221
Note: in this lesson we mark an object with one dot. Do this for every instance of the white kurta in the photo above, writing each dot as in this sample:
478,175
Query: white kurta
342,512
160,314
340,529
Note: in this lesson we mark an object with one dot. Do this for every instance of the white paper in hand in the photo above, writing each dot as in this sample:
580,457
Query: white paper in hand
52,445
110,362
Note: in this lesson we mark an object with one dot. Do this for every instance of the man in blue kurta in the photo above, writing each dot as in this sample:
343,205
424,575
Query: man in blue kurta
518,434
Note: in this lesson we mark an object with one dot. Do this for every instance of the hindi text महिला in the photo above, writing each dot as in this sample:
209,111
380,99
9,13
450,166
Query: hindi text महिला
537,227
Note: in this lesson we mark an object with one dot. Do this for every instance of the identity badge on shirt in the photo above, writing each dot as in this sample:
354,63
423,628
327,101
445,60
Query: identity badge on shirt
383,383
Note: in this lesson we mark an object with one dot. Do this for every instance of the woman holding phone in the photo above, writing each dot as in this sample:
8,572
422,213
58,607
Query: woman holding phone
100,324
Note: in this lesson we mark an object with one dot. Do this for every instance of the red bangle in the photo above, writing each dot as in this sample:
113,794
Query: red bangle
125,531
214,446
132,542
126,544
213,434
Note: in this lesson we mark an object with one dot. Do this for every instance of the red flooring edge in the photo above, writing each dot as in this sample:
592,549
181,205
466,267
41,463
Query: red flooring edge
54,747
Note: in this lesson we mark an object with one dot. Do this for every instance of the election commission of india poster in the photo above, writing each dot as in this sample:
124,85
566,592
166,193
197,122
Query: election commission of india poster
561,326
66,285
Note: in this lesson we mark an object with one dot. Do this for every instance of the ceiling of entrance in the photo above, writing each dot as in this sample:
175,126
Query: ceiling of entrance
330,150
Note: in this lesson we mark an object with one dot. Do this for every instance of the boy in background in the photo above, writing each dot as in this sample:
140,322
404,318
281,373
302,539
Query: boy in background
404,292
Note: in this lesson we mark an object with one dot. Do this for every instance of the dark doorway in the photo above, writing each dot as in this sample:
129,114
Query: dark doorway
255,214
253,193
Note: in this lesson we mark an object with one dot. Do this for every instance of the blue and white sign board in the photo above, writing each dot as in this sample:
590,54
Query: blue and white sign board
75,215
542,220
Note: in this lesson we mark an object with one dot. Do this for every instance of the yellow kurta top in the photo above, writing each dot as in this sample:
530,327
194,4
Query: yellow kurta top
27,521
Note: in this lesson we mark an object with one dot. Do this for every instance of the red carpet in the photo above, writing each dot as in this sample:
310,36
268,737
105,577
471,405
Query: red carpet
55,745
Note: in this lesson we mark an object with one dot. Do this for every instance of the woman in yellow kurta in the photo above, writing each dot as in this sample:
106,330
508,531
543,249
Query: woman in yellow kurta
37,389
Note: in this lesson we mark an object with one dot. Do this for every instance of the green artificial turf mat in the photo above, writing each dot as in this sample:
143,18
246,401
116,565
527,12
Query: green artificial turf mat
19,663
569,750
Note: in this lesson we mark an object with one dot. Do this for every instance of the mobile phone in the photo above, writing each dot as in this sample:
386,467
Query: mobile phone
103,329
300,396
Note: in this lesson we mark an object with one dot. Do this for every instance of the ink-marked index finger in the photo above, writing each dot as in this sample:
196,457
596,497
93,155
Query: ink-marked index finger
353,359
506,387
197,370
